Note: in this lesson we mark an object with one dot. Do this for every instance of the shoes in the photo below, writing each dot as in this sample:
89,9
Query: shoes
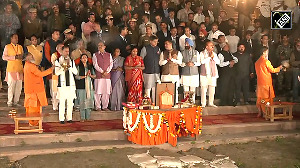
17,105
62,122
106,109
212,105
70,121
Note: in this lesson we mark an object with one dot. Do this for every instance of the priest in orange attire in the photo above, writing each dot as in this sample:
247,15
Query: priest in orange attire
264,90
35,95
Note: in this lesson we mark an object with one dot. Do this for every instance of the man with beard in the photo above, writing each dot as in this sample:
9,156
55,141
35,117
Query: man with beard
35,95
283,54
295,62
190,73
201,40
244,70
226,80
150,53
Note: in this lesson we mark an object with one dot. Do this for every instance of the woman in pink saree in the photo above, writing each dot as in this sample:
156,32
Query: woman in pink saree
134,66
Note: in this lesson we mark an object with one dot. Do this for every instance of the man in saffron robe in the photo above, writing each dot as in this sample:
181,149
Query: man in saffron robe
103,64
35,95
264,91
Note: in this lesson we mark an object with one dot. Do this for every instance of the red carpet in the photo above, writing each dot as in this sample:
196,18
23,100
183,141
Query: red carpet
104,125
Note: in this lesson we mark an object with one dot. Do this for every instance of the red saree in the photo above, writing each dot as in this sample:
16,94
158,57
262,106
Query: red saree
134,78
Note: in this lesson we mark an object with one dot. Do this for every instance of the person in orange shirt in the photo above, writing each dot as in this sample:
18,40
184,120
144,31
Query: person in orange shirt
264,90
35,95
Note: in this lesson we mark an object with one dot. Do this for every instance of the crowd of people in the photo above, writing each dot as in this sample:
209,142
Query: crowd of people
96,54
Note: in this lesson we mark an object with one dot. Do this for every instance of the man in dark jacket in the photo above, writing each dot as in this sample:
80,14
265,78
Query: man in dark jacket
244,71
151,53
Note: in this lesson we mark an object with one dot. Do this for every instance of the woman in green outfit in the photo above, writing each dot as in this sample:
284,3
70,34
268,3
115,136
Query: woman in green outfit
85,88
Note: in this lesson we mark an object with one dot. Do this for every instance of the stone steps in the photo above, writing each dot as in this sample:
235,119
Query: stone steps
112,135
19,152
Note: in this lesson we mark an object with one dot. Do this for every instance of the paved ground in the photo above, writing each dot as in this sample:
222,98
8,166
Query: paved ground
277,153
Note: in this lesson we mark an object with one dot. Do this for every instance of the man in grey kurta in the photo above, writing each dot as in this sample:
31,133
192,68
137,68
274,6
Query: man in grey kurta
150,53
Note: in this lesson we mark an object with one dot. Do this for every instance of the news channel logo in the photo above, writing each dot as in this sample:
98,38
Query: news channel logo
281,20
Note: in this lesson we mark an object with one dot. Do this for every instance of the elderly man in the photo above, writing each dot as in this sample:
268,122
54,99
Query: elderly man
103,64
208,74
9,24
190,64
65,70
169,60
35,95
264,90
13,54
76,54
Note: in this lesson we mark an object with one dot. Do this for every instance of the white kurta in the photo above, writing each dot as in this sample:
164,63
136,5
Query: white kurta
191,80
66,92
208,80
102,86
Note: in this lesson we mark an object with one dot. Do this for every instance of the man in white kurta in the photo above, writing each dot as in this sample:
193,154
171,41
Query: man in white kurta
187,34
169,60
190,64
65,70
208,74
103,64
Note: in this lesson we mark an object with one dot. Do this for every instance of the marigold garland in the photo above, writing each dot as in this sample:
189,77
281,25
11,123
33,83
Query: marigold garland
181,130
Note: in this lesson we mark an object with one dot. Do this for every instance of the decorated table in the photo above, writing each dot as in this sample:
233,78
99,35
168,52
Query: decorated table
153,127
